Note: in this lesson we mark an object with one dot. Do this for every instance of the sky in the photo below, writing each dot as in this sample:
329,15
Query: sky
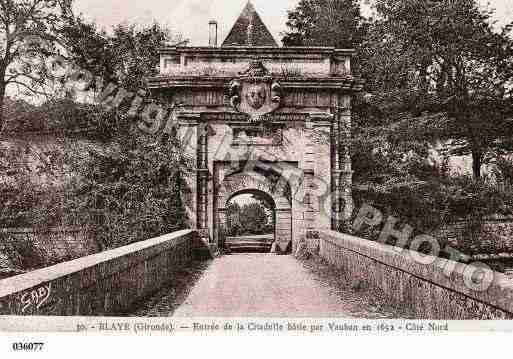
191,17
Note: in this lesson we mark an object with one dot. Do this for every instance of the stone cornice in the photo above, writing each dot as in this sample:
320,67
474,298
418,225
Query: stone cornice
236,117
347,83
231,50
332,83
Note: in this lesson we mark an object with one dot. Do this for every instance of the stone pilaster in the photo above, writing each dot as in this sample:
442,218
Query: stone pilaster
346,166
310,157
202,179
222,227
342,174
187,133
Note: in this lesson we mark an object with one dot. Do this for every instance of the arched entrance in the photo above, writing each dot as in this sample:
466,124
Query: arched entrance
250,223
249,109
274,192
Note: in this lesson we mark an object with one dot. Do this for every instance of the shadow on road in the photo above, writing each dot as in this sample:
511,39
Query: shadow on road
164,302
361,301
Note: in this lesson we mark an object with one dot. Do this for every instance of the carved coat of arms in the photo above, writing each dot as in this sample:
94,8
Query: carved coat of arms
255,93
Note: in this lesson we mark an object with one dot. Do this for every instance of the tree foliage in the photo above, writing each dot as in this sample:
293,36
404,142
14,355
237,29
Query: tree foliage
95,170
254,218
438,70
129,187
324,23
114,179
30,32
125,57
438,84
30,184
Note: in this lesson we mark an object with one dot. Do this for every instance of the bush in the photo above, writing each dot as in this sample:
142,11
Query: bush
123,185
22,252
28,190
504,172
401,179
129,188
428,206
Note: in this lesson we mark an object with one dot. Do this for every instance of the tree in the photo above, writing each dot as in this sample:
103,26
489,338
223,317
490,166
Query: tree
90,49
263,201
126,57
335,23
29,33
250,218
136,51
254,218
443,73
233,212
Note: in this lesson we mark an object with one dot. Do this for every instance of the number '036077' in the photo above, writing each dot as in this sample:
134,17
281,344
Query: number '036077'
28,347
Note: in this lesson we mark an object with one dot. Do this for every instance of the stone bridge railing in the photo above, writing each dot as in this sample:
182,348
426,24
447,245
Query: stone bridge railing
101,284
432,288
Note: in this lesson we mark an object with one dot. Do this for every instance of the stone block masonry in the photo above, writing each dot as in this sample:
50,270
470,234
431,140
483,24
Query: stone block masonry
424,289
101,284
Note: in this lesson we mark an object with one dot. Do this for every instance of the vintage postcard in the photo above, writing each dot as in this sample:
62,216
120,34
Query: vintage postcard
247,167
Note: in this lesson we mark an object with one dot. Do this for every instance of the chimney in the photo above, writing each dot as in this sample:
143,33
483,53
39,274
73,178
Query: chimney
212,42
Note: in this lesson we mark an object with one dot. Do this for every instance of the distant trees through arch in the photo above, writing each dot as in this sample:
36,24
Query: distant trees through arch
250,214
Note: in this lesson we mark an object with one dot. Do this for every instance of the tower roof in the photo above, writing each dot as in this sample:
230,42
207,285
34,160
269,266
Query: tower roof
249,30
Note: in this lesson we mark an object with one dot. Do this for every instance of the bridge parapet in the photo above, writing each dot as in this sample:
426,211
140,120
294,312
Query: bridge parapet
433,288
100,284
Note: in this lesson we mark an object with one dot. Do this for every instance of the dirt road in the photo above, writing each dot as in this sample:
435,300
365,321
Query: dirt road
261,285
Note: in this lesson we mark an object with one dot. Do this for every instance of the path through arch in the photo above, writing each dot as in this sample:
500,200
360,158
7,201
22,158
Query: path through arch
250,223
256,183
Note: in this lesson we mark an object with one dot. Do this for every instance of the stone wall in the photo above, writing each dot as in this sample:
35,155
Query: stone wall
101,284
430,291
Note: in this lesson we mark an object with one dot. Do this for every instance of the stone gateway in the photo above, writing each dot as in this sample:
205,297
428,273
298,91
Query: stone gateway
267,119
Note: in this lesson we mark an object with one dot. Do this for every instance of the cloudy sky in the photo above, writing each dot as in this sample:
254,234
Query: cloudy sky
191,17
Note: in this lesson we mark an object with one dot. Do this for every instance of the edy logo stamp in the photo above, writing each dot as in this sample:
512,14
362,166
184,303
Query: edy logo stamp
36,297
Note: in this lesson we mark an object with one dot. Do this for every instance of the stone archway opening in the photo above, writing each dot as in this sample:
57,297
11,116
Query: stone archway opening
250,222
274,192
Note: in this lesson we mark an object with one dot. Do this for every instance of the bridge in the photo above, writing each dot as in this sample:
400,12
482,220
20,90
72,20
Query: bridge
347,277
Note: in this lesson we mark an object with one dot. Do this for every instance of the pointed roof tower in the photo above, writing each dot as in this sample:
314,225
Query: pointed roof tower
249,30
